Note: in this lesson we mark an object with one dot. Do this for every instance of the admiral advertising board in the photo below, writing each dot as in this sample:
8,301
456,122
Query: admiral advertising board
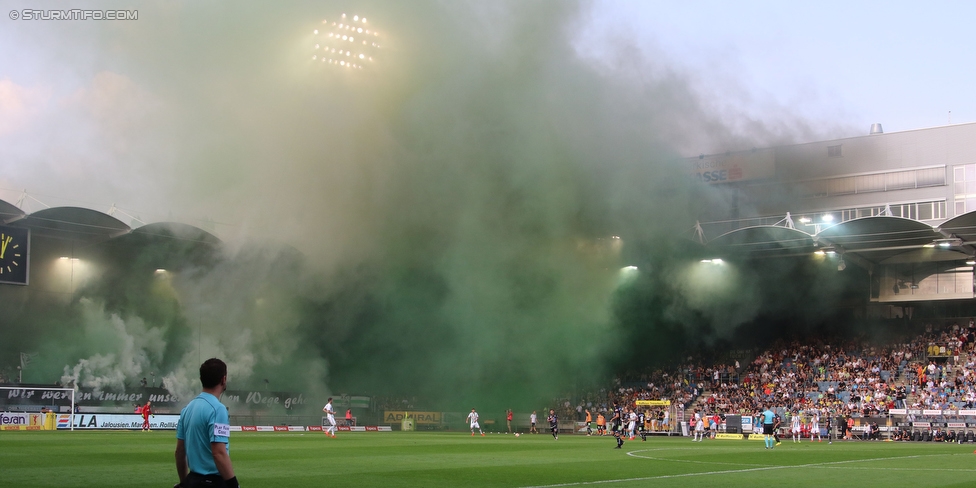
395,417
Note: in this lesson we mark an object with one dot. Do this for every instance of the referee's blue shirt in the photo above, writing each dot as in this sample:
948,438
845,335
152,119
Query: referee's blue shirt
768,417
203,421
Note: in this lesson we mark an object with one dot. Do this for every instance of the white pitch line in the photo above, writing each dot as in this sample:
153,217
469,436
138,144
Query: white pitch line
727,471
691,461
941,470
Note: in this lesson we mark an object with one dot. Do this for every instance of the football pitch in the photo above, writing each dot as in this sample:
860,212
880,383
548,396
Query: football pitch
136,459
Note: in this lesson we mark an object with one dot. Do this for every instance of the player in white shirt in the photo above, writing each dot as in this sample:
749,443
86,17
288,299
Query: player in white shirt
632,425
795,426
473,419
699,427
330,417
815,425
533,419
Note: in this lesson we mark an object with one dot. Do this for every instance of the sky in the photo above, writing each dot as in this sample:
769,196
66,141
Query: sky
454,203
849,64
805,71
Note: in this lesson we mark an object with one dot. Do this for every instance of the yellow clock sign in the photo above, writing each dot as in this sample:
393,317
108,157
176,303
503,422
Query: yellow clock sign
14,255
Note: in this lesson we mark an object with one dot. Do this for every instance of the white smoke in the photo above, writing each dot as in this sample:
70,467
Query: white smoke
131,346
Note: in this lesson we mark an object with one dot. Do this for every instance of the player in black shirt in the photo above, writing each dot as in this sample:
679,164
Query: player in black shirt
554,424
641,418
616,420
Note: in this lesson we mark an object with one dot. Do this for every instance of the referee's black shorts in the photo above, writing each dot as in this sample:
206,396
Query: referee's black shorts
768,429
195,480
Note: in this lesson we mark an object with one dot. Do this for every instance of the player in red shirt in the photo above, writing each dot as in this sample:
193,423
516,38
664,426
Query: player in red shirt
146,412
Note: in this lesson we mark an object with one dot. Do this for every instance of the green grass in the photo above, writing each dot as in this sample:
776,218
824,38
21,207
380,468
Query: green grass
135,459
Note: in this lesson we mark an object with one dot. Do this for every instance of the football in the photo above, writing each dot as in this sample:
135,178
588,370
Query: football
517,434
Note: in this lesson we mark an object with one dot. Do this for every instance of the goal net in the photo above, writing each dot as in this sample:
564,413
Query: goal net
35,407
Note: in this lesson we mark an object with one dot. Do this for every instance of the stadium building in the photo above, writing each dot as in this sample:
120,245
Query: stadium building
900,207
59,250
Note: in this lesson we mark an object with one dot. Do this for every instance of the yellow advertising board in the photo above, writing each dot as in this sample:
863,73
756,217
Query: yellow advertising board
654,403
736,437
394,416
20,427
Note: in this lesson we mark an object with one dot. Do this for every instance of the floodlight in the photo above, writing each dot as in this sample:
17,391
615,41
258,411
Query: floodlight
828,218
804,220
970,262
944,243
332,36
316,31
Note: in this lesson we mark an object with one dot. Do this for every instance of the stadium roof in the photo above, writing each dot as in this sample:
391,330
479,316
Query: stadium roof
86,225
9,212
177,231
868,241
74,223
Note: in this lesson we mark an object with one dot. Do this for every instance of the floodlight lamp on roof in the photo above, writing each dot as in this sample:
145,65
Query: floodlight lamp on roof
334,40
950,242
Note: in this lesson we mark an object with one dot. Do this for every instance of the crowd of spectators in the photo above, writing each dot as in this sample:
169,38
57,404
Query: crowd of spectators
855,377
852,377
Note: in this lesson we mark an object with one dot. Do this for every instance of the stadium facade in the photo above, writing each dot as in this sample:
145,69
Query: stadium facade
900,206
65,248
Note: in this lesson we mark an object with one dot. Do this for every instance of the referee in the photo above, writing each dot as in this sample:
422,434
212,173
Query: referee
203,434
769,429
